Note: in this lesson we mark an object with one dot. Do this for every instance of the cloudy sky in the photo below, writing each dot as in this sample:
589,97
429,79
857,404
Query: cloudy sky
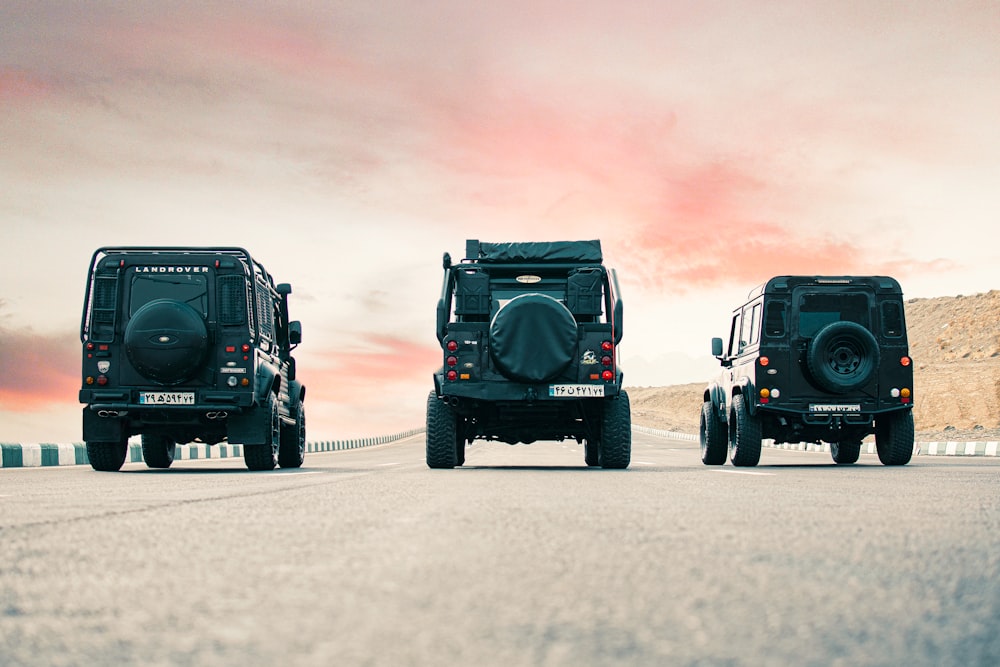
708,144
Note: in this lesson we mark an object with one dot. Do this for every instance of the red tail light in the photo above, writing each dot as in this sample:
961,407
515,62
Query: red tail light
904,361
607,375
452,345
607,346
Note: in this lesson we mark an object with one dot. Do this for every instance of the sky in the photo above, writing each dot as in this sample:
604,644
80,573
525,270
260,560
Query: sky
709,145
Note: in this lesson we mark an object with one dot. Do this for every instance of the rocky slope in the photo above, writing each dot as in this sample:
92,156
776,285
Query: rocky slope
955,346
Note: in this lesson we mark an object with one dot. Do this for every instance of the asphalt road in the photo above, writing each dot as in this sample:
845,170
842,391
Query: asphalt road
523,557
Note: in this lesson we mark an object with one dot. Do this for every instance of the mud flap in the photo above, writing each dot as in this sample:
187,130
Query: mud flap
101,429
252,427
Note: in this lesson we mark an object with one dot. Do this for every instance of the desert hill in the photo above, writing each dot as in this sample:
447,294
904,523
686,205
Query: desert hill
955,346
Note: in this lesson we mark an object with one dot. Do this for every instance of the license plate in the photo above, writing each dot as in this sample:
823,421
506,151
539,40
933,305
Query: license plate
826,407
576,390
166,398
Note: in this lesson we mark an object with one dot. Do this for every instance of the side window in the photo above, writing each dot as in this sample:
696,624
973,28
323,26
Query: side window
734,336
774,319
755,324
747,331
892,319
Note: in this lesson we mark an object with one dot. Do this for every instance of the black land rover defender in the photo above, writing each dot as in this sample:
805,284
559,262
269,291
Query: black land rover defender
813,359
185,344
529,335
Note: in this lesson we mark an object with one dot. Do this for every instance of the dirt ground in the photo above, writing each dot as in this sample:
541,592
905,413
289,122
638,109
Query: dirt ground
955,347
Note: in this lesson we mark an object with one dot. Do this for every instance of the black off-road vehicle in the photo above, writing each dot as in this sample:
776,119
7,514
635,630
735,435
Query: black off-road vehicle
529,335
188,344
813,359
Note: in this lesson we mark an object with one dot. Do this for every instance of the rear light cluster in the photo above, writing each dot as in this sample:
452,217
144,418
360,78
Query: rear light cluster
607,361
233,380
451,361
97,350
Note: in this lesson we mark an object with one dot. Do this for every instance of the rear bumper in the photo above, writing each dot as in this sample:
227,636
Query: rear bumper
514,391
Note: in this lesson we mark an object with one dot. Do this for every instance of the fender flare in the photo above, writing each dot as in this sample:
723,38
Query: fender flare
296,392
268,381
745,387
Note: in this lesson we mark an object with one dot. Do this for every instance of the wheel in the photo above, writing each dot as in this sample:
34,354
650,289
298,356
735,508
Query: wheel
845,452
615,448
292,450
442,440
264,455
744,434
158,450
533,338
107,456
842,357
713,437
894,437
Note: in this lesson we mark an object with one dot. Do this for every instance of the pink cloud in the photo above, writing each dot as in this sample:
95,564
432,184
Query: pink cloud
18,85
356,372
38,370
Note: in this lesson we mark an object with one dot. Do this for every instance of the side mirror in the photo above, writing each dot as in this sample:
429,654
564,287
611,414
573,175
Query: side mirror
291,369
294,332
716,347
284,289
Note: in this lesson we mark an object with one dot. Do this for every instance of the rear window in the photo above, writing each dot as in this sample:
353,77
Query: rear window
818,310
189,289
892,319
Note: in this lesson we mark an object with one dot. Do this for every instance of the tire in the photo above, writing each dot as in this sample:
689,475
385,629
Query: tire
846,452
842,357
533,338
615,448
158,450
744,434
442,441
166,341
107,456
894,437
264,455
292,450
713,437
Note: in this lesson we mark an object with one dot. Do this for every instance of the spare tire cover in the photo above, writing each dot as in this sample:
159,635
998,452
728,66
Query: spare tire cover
842,357
533,338
166,341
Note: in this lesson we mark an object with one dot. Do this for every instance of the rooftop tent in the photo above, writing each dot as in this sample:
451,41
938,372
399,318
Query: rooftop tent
551,251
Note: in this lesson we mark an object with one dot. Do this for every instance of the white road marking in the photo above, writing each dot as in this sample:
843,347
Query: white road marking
302,472
744,472
644,463
382,465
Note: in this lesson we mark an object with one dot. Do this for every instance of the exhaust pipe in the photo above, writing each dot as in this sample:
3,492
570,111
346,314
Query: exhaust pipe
107,413
453,401
217,415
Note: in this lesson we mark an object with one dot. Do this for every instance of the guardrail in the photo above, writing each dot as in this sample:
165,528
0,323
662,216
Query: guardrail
932,448
33,455
49,454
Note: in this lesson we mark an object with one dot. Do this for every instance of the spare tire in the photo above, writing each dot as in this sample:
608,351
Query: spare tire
166,341
842,357
533,338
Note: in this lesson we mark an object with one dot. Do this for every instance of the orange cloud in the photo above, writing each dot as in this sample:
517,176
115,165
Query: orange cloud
38,370
373,366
